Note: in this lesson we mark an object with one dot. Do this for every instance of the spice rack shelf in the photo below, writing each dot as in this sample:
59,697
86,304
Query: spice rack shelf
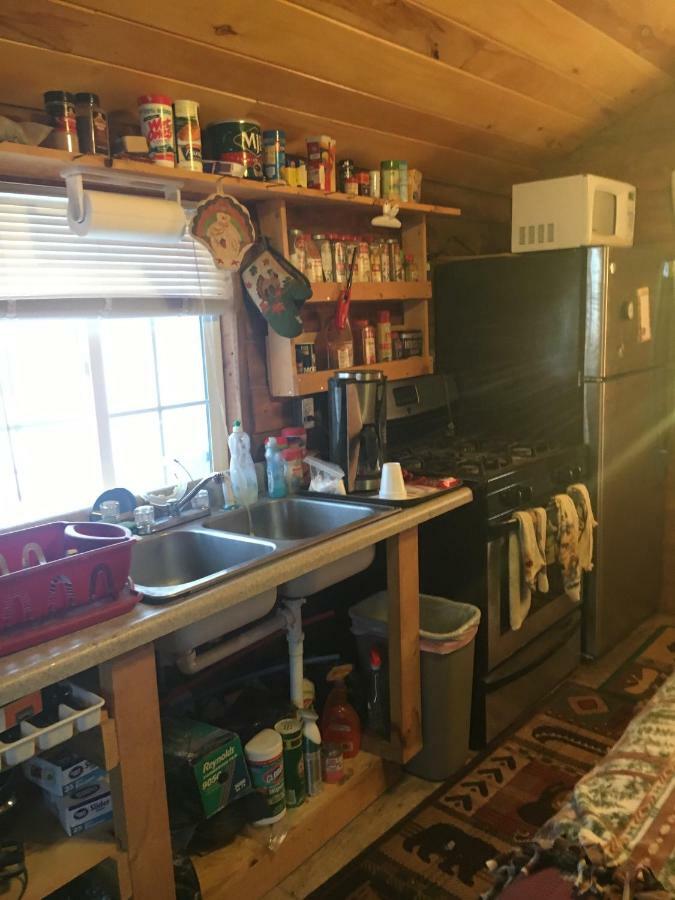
248,868
317,382
45,165
394,291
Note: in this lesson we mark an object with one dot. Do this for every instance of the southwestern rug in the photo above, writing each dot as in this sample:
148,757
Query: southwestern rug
506,793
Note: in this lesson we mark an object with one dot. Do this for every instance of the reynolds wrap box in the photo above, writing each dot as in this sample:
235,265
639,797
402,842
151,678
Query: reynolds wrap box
61,771
84,808
205,769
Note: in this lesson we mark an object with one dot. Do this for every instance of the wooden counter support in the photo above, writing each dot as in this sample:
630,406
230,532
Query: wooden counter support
129,684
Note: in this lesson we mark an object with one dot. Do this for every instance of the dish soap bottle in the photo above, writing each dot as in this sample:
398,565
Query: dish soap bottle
340,722
242,469
276,469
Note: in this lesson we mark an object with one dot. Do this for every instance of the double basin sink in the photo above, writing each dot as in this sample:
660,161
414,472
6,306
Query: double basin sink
186,559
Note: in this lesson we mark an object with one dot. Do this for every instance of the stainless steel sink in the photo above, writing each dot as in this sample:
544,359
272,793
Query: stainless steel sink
295,522
172,563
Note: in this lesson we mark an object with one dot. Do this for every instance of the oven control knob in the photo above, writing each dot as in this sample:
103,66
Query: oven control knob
525,493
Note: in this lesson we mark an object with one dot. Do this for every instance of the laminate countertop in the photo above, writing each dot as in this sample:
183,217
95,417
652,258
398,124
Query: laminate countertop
43,664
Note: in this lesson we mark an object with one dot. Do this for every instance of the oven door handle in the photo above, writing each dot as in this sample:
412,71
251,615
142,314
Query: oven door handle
502,529
491,686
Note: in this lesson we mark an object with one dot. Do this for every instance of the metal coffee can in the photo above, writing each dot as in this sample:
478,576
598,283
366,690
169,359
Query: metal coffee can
240,141
294,764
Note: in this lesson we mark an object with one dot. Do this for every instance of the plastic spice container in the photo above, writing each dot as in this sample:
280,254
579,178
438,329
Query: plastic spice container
395,259
376,260
156,115
364,342
383,336
60,107
92,124
313,267
323,244
188,135
294,470
385,262
345,170
339,257
362,271
375,182
264,755
390,179
333,763
297,249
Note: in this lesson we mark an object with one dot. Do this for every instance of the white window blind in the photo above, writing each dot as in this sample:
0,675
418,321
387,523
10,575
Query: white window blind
47,270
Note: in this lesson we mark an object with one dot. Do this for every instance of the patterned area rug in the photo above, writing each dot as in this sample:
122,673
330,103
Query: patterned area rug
507,793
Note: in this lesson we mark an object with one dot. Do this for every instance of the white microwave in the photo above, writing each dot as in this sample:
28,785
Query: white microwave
574,211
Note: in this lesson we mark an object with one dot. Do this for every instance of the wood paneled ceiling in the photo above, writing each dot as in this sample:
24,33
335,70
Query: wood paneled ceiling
476,93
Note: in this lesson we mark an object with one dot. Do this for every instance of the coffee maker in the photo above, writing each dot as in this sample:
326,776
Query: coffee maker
358,426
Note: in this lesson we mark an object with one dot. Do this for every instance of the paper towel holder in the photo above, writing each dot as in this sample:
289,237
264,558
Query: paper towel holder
75,175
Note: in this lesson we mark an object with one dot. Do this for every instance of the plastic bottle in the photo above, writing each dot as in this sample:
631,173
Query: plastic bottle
311,749
340,722
377,706
264,755
242,470
276,469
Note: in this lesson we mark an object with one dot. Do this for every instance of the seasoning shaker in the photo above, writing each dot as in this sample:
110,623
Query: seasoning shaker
92,124
60,108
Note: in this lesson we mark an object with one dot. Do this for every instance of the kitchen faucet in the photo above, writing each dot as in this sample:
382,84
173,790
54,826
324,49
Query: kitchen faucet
174,512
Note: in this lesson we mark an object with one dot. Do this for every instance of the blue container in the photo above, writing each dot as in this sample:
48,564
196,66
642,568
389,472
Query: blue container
274,153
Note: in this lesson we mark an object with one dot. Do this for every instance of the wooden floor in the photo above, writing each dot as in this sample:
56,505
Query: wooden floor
404,796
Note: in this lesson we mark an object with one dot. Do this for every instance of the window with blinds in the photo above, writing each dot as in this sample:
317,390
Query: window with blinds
110,362
46,269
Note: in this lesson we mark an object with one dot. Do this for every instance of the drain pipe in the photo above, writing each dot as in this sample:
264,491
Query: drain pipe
295,637
191,663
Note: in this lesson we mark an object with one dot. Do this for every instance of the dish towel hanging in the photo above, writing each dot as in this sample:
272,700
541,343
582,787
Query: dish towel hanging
520,596
531,556
582,501
540,520
567,545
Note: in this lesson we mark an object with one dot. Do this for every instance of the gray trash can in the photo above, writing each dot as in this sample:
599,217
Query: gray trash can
447,638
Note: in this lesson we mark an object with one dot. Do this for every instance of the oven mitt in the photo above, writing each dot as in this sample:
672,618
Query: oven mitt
276,287
540,520
567,545
582,501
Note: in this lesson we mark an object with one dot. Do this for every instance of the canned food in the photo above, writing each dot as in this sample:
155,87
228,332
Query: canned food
188,135
156,115
274,153
240,141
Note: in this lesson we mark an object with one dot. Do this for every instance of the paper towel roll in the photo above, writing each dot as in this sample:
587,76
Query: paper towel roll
122,217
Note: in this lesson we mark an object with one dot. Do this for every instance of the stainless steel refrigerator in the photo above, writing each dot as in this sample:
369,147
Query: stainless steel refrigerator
570,346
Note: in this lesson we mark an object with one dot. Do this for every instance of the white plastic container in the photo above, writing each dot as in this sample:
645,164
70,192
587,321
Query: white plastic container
242,470
264,755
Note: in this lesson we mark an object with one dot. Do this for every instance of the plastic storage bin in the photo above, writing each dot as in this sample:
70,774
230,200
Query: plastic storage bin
447,639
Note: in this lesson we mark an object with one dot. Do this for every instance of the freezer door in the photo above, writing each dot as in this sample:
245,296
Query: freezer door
626,292
624,426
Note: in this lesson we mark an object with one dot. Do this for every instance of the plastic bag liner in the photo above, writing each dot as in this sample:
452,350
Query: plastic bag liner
445,625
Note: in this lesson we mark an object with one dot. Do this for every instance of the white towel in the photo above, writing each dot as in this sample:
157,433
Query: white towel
532,558
520,596
567,545
540,526
579,493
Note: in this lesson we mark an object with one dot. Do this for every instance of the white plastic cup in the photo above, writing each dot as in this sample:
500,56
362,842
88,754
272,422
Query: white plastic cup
392,486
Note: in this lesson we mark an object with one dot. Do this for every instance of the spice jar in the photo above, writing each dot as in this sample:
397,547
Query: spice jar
362,273
390,180
313,267
345,170
352,186
60,108
383,336
363,183
326,255
364,342
92,124
403,179
338,247
395,260
296,249
409,268
376,260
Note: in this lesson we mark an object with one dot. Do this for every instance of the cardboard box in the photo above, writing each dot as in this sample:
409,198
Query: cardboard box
321,149
61,771
205,769
84,809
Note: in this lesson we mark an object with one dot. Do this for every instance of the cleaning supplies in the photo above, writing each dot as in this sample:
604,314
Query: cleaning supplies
276,469
340,722
242,469
311,751
264,755
377,706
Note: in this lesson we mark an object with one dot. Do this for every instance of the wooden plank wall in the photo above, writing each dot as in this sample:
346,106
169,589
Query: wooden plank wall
641,150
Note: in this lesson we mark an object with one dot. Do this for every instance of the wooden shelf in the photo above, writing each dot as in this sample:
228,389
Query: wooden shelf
327,291
53,859
316,382
46,165
247,868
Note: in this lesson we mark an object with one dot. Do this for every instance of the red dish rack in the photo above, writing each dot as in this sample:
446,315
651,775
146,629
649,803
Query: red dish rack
41,600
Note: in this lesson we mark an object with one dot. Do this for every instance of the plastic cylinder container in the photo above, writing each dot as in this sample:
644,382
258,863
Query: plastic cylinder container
447,637
264,755
156,115
188,135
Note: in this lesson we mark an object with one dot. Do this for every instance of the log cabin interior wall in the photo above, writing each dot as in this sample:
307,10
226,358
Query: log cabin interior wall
477,95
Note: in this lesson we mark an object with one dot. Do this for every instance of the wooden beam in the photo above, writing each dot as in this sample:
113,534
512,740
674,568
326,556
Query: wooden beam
129,684
403,644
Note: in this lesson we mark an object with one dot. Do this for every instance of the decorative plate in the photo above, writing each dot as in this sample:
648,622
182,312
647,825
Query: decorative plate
224,227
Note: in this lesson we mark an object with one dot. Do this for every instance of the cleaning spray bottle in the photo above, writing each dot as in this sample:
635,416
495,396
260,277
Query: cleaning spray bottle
242,469
340,722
